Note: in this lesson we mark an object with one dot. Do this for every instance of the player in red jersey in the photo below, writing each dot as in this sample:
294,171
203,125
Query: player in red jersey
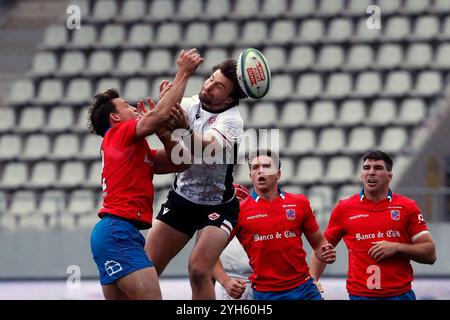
128,165
383,231
270,225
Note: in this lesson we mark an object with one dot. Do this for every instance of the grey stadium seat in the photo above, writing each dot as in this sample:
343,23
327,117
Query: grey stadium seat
61,118
65,146
31,119
331,140
382,112
15,175
43,175
361,139
322,113
8,117
37,146
10,146
293,114
73,174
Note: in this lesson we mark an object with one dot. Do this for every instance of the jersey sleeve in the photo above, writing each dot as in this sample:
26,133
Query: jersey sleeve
228,131
126,133
335,228
416,223
310,224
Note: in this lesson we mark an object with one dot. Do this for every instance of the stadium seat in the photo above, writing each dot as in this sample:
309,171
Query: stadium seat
426,28
111,36
322,113
37,146
330,57
339,29
419,55
129,63
428,83
217,9
281,87
301,8
393,140
330,141
245,8
36,222
55,36
84,37
189,9
43,175
213,56
309,85
382,112
22,91
302,141
81,202
309,170
51,91
197,34
31,119
273,139
301,58
397,83
361,139
168,33
415,6
347,190
389,56
225,33
359,57
254,33
339,85
440,6
293,114
311,30
368,83
363,33
10,146
351,113
72,63
87,222
282,32
442,53
390,6
104,10
136,89
273,8
331,8
264,115
94,175
141,35
100,63
194,85
412,112
61,117
8,117
44,63
295,189
65,146
159,61
340,169
358,7
287,170
160,10
90,147
277,58
325,193
133,10
81,123
15,175
73,174
108,83
79,91
397,28
23,203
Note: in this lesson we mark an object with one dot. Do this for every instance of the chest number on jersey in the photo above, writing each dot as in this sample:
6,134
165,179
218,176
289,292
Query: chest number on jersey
374,280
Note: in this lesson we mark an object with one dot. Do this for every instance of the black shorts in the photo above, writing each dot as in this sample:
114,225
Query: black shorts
188,217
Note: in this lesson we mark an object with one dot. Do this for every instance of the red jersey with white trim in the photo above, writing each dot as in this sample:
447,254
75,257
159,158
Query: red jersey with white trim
360,222
270,233
127,174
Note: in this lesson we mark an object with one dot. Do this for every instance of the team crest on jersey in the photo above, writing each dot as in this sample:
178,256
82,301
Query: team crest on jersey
395,214
290,214
213,216
212,120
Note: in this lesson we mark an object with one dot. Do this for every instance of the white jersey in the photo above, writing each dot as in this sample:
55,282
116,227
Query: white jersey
203,183
235,264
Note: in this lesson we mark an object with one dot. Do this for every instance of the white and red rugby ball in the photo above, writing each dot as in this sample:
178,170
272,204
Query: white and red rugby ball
253,73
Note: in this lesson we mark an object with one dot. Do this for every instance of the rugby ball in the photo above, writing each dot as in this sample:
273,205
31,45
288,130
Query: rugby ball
253,73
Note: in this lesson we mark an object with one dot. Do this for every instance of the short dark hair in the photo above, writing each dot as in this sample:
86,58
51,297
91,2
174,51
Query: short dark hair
228,68
264,152
98,115
379,155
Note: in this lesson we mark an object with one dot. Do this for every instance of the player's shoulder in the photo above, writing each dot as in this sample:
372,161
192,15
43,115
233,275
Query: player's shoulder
404,201
232,113
297,197
351,201
189,102
247,202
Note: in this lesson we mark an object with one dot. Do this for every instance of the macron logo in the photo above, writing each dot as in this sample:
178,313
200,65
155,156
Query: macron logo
165,210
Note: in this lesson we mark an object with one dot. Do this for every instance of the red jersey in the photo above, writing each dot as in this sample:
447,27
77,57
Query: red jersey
127,174
270,233
360,222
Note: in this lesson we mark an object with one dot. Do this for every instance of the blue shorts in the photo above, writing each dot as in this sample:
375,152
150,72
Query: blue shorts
118,249
410,295
305,291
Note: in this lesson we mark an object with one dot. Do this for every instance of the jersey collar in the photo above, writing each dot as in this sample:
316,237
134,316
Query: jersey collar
204,107
361,195
256,197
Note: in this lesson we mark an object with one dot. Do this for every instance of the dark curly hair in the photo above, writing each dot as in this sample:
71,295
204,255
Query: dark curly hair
228,68
98,115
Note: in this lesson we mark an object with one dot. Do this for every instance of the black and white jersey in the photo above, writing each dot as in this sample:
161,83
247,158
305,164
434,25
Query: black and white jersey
209,179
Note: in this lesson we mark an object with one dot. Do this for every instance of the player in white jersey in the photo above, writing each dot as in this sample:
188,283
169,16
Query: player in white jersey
203,197
233,276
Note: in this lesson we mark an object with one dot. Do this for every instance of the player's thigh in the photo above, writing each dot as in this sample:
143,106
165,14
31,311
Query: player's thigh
163,243
142,284
113,292
210,243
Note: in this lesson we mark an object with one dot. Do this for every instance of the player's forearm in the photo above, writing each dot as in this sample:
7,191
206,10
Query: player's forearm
174,94
423,252
316,267
219,273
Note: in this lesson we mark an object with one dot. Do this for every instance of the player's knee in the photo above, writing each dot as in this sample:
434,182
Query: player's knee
198,273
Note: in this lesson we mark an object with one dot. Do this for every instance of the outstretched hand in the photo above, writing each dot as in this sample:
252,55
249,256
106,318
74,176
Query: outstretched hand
189,61
143,110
